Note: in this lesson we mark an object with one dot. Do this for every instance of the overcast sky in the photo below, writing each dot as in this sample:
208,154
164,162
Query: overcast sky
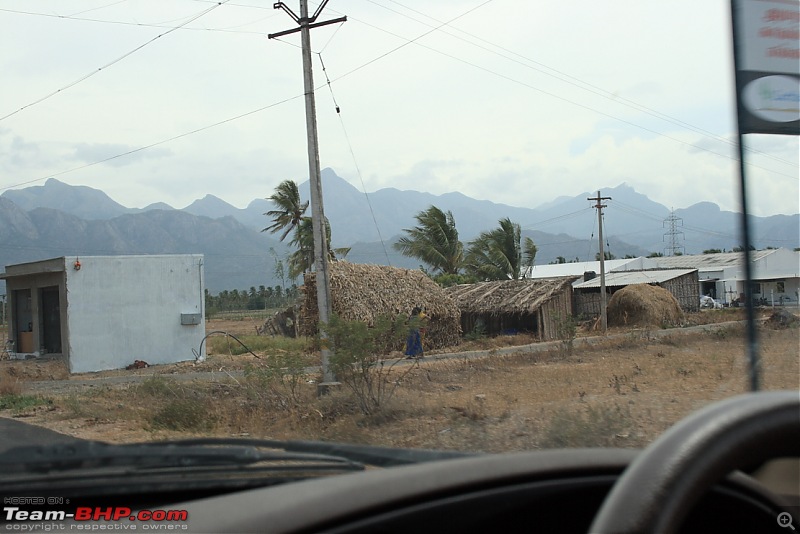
513,101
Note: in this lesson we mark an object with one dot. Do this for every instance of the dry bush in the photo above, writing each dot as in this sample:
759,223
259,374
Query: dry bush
782,318
10,386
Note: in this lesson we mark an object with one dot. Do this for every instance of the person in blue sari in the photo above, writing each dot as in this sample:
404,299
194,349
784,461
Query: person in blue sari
414,341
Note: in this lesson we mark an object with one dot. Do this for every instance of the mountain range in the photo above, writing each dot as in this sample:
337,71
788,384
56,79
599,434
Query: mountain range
58,219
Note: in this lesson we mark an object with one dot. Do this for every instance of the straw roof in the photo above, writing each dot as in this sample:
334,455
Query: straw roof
364,292
508,296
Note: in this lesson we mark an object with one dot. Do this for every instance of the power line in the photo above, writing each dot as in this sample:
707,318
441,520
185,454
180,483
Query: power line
145,24
355,162
92,73
575,81
542,91
157,143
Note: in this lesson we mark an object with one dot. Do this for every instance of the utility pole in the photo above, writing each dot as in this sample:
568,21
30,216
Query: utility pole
318,223
603,312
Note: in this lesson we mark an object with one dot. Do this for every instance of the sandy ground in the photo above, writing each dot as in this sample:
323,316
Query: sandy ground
494,398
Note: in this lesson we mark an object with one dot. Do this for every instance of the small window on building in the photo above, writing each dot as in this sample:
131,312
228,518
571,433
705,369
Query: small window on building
756,289
781,287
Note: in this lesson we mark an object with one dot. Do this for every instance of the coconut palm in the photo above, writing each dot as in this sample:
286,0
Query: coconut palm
302,259
529,250
496,254
290,216
434,241
289,210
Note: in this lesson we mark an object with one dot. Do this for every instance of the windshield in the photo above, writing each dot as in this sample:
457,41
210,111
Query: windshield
532,235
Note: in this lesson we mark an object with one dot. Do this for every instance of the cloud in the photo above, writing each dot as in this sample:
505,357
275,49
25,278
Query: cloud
117,155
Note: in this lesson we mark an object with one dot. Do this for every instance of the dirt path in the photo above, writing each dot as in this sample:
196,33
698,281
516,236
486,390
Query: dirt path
183,372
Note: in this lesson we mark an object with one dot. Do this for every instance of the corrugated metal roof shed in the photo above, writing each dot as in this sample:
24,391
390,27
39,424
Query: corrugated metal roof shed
555,270
702,261
627,278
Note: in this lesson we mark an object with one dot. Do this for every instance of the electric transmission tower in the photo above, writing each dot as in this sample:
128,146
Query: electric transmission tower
673,235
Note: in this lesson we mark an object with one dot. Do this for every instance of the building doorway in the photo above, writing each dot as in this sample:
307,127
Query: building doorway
50,320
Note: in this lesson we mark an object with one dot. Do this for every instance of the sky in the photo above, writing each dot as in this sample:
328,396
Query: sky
514,101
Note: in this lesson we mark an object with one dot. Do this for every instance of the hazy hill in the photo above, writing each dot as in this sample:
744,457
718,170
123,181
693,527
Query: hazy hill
235,256
58,219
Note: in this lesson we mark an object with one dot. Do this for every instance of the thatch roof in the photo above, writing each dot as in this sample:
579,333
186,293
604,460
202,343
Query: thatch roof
364,292
508,296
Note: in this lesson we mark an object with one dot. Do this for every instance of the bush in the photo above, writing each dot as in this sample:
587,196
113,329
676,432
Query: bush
183,414
600,426
357,362
21,402
279,378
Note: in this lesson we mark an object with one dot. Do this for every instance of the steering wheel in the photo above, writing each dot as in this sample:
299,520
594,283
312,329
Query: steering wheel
659,488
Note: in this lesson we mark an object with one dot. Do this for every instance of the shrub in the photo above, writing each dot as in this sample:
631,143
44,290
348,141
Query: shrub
357,362
183,414
279,378
600,426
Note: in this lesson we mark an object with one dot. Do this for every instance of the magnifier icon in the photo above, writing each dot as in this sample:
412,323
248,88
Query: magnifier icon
785,520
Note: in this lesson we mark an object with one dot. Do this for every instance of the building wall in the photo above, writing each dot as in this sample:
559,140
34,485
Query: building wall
685,289
126,308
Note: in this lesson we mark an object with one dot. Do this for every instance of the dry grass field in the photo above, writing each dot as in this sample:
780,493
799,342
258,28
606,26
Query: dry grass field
623,391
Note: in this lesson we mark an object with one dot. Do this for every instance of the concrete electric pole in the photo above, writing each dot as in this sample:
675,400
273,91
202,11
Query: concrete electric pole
603,312
318,222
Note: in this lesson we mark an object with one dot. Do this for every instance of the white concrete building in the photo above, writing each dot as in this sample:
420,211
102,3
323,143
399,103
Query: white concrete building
105,312
776,274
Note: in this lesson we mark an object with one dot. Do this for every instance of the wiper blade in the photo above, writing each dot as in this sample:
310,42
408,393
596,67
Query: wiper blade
366,454
84,455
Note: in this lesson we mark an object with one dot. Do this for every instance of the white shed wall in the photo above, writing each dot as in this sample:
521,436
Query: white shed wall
126,308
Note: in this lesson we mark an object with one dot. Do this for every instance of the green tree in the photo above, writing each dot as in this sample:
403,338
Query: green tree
529,250
607,255
496,254
289,210
434,241
289,216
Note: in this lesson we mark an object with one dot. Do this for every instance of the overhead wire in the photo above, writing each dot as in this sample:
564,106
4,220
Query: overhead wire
576,82
355,161
362,66
550,94
157,143
145,24
98,7
114,62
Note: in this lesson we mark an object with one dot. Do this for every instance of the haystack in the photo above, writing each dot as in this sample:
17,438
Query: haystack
643,305
365,292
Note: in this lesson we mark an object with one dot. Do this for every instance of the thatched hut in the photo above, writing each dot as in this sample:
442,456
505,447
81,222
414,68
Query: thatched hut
364,292
507,306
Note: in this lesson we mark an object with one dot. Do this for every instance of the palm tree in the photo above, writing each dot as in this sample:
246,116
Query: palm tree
434,241
529,250
289,210
290,216
496,254
302,259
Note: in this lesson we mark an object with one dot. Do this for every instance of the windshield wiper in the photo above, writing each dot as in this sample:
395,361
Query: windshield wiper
186,455
191,466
